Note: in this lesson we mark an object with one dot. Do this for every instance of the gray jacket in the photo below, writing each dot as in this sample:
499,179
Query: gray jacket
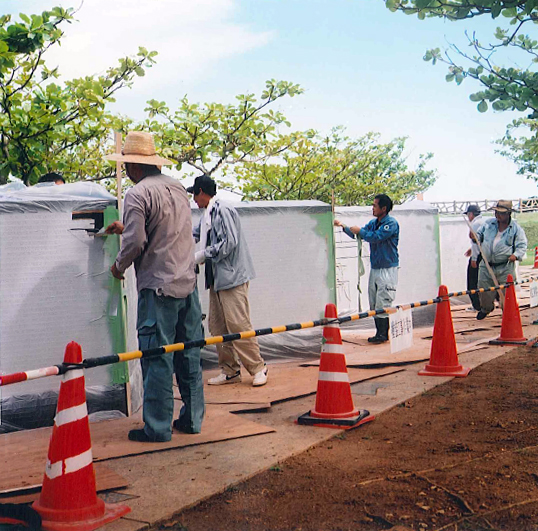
227,248
513,241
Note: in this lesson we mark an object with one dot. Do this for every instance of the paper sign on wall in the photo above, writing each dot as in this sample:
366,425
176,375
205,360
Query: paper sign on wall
401,330
534,294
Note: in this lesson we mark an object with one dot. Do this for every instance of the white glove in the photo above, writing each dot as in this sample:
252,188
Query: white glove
199,256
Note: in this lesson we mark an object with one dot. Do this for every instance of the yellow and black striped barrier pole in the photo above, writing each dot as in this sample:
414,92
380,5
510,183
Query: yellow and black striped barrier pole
89,363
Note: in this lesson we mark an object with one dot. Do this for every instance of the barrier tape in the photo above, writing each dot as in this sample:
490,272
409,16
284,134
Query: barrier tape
8,379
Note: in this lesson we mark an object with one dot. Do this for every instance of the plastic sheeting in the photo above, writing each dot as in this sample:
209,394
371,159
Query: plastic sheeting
53,198
454,242
291,243
419,273
54,288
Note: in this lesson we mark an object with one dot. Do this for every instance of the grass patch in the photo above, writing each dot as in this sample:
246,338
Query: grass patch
529,223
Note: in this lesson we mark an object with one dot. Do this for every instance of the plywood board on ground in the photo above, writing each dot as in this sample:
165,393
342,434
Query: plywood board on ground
284,383
361,354
110,439
105,478
19,451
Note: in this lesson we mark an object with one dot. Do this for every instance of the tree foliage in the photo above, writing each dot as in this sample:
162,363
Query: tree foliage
352,171
507,87
44,125
216,136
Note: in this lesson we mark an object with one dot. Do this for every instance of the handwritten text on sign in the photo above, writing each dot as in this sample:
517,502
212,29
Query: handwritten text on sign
401,330
534,294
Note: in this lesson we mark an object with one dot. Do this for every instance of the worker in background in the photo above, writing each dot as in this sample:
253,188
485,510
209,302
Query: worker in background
382,233
473,253
503,243
51,177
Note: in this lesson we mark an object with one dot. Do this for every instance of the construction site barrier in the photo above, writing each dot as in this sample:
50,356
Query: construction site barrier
62,368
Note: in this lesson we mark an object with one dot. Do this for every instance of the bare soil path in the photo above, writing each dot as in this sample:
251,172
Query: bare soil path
463,456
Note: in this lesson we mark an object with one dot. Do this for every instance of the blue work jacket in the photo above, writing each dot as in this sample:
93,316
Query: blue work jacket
383,237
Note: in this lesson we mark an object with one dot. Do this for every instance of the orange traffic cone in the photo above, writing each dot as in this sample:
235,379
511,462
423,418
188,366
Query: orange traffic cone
68,499
443,354
535,266
511,329
334,404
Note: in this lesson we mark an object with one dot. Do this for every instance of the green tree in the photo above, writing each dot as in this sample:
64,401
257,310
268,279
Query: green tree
351,171
215,136
503,87
47,126
244,147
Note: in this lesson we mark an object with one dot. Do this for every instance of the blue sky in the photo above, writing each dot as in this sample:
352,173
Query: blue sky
361,67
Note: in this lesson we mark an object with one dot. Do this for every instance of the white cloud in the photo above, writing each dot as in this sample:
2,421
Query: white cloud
191,37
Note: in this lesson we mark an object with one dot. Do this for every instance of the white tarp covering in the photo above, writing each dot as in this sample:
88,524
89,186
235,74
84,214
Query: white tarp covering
292,250
454,237
419,272
54,283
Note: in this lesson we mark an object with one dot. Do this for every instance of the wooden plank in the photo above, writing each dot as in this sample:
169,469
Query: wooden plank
23,454
284,383
105,479
110,437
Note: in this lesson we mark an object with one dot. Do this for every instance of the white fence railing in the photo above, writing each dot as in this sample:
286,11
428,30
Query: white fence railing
459,207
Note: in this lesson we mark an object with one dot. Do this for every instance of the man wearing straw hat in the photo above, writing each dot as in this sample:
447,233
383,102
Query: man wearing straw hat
502,242
157,238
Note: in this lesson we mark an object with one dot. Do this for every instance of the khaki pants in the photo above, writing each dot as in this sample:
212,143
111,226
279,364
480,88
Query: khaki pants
229,313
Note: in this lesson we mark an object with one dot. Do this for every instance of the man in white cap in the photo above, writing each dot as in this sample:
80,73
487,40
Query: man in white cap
228,271
473,253
157,238
503,242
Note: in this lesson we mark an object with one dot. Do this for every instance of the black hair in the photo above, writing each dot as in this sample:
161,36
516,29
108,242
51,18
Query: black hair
51,178
384,200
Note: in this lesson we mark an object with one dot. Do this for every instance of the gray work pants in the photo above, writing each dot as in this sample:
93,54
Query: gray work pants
487,299
382,288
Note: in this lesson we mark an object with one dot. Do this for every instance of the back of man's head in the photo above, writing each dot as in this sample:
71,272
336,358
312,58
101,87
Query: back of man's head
203,183
51,177
383,200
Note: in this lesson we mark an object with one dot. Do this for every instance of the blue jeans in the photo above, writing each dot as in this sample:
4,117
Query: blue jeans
163,321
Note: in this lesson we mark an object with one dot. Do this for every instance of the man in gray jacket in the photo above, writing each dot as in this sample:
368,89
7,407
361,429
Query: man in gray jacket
503,242
228,270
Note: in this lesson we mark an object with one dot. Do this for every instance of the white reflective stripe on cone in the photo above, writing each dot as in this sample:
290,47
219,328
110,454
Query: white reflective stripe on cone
71,414
331,325
53,470
73,375
331,348
72,464
333,376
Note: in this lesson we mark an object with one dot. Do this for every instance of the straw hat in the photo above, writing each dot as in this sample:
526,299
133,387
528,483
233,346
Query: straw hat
140,149
504,206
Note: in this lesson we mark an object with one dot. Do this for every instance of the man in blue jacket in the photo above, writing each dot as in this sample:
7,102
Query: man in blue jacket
382,233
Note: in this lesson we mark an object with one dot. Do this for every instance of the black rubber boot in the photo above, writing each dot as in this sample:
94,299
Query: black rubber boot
382,335
375,338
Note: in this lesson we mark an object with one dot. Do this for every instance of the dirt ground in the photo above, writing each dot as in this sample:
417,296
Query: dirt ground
462,456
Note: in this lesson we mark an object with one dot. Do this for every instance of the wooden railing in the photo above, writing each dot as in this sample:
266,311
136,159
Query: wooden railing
459,207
